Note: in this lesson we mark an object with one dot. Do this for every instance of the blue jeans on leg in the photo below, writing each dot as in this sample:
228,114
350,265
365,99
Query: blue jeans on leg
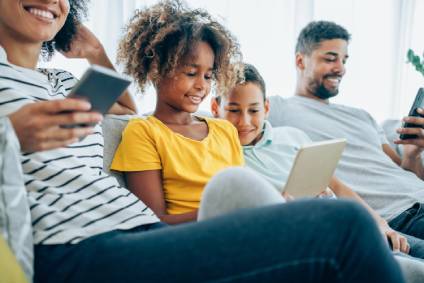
411,224
303,241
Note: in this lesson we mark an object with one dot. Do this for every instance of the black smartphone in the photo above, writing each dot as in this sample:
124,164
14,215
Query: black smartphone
101,87
418,103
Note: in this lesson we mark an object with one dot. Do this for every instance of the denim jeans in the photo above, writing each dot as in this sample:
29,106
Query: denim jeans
303,241
411,224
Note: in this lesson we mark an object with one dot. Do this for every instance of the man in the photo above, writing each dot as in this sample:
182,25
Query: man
390,185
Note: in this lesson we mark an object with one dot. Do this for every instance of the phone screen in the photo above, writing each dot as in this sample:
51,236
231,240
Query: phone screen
418,103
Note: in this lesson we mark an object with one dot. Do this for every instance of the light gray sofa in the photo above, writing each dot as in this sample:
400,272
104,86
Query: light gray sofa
19,236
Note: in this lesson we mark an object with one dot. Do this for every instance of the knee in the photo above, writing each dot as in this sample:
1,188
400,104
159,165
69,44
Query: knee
236,188
239,183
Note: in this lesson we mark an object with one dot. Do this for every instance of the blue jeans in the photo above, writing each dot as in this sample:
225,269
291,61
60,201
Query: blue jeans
303,241
411,224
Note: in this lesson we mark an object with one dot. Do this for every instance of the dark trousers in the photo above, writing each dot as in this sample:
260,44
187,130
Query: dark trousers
303,241
411,224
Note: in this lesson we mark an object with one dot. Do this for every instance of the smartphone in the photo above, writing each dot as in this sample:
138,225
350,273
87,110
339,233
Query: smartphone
418,103
101,87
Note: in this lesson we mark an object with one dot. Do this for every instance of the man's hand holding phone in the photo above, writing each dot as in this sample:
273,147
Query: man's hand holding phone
412,131
39,126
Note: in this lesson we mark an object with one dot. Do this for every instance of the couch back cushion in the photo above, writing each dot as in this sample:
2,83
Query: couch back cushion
112,126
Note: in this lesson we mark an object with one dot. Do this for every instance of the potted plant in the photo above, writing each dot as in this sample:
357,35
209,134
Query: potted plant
416,61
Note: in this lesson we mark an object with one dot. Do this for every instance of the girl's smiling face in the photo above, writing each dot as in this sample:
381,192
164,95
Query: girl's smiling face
191,83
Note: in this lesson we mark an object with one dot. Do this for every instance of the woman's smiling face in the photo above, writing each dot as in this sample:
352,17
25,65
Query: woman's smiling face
32,21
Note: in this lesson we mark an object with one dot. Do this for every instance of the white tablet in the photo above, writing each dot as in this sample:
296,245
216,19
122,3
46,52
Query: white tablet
313,168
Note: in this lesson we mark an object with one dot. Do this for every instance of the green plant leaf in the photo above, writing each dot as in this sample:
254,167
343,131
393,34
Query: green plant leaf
416,61
410,55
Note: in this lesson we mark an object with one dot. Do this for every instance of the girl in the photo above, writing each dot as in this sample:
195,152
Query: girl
169,157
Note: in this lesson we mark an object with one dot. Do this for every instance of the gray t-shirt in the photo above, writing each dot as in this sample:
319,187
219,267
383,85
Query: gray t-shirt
364,166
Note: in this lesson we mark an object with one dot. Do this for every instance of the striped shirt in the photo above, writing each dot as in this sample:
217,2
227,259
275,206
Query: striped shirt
70,197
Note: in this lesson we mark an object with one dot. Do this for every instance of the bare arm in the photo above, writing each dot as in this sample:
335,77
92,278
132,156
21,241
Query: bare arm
391,153
147,186
86,45
411,161
399,242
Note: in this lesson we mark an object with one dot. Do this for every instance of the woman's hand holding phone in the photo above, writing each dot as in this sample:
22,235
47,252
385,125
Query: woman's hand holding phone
39,126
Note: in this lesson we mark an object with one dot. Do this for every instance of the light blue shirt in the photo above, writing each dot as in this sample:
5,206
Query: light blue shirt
273,155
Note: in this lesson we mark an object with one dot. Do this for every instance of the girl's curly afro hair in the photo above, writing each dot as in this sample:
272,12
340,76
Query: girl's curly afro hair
62,40
159,38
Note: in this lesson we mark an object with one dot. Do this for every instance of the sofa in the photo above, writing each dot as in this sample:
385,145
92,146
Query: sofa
14,208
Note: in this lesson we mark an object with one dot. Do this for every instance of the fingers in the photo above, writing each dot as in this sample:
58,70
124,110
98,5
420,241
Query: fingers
288,196
419,132
419,121
63,119
417,141
58,137
411,131
399,242
404,245
394,239
52,144
75,118
64,134
63,105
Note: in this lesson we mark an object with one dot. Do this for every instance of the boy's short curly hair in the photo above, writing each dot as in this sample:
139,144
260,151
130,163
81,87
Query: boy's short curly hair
160,37
311,35
62,40
250,75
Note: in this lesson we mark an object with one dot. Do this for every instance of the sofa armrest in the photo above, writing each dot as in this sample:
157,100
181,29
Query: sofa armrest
15,218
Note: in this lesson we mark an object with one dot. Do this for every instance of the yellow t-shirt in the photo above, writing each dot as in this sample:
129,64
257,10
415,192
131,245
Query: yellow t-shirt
186,164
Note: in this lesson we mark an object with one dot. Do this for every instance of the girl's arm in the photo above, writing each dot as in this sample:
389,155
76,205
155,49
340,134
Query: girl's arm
147,186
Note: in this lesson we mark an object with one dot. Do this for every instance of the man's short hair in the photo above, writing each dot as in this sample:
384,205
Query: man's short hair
315,32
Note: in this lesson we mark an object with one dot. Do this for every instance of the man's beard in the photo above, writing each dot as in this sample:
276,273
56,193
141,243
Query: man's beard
323,93
319,90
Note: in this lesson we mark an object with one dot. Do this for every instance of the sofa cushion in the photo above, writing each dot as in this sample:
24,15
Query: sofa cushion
389,126
112,126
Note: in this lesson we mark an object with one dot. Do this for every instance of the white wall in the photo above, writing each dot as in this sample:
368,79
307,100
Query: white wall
378,78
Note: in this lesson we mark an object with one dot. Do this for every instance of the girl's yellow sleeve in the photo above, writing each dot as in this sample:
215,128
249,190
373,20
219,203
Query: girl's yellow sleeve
137,150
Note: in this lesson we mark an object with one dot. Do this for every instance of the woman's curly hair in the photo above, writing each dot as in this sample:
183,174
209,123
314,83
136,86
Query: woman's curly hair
159,38
62,40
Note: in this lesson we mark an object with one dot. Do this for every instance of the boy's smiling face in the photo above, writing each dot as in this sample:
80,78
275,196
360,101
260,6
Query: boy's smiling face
246,109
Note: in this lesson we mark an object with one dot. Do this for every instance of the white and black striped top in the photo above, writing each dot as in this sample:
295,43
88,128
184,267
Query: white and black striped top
70,197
